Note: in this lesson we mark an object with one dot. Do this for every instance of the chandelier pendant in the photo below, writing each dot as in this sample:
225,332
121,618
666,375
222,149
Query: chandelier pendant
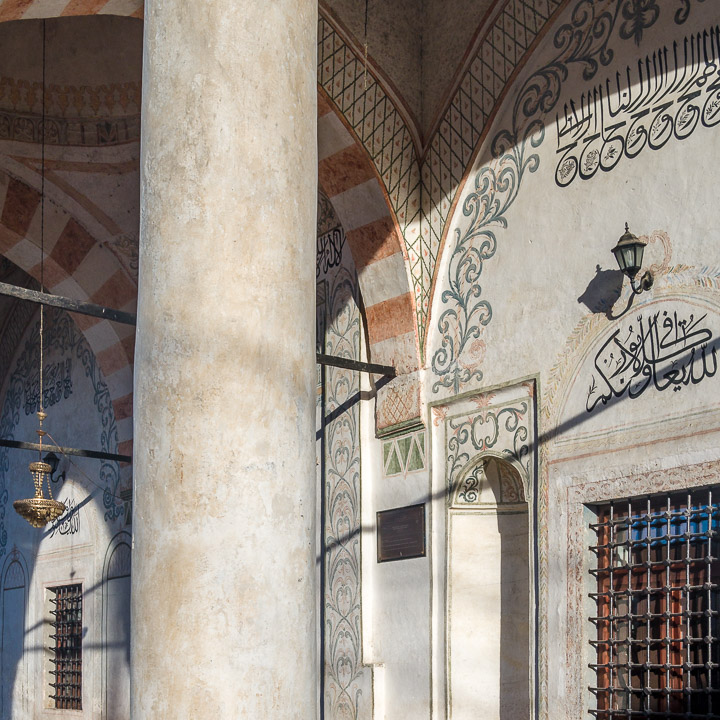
39,510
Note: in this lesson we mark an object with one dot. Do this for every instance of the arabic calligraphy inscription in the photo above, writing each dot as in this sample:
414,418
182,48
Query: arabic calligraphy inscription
665,349
667,94
69,522
329,251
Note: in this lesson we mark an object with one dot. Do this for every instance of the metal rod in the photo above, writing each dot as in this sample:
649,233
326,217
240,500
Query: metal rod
96,454
348,364
68,304
131,319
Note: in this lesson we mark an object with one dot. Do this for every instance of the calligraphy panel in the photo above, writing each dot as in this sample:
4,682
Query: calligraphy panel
657,364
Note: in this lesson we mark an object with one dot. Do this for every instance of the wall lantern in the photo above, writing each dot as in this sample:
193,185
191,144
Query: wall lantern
629,255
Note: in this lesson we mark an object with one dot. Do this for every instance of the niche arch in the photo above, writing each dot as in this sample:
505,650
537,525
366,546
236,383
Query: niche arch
488,620
13,609
116,627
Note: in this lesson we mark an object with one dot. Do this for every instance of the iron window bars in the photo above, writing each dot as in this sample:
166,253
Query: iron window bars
67,649
658,572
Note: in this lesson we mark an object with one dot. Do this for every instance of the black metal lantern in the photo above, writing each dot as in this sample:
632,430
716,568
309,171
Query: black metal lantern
629,255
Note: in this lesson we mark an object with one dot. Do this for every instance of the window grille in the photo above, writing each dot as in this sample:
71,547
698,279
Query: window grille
67,648
657,596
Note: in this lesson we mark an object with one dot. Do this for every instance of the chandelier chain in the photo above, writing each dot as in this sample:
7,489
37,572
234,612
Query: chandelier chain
42,218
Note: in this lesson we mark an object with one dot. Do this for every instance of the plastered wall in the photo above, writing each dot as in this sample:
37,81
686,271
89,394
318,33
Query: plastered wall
612,120
89,544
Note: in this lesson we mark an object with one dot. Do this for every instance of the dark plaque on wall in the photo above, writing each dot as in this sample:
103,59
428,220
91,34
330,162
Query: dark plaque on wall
401,533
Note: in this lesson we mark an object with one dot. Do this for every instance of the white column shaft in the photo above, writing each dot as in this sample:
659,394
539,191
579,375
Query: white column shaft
223,584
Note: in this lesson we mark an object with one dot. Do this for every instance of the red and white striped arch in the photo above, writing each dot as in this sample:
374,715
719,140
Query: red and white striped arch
28,9
77,266
349,179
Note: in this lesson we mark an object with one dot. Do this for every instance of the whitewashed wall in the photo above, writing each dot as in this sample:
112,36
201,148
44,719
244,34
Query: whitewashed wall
89,543
529,294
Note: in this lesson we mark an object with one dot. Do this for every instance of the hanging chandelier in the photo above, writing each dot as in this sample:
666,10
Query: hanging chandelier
39,510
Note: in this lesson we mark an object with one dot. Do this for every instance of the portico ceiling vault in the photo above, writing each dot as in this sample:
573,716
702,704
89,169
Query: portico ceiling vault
421,176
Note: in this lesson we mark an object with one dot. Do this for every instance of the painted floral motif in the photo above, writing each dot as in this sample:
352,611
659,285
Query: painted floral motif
638,15
511,489
582,42
346,682
503,427
470,485
343,654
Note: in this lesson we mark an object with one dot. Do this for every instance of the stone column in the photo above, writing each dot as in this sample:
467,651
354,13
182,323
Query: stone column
223,580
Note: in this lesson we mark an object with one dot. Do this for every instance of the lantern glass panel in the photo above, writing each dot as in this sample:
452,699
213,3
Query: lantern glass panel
619,257
639,247
629,259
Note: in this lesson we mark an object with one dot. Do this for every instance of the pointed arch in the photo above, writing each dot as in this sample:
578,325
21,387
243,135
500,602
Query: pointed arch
348,178
116,626
76,265
13,609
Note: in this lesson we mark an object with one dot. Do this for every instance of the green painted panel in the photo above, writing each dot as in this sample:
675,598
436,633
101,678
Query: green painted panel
404,449
416,459
393,467
387,447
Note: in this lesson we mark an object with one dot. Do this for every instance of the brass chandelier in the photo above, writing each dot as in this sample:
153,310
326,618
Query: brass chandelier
39,510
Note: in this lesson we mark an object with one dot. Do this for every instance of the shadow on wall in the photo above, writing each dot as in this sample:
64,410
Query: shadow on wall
603,291
112,635
513,673
86,411
514,616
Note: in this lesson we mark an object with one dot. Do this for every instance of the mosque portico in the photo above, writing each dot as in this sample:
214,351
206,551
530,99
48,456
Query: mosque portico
380,427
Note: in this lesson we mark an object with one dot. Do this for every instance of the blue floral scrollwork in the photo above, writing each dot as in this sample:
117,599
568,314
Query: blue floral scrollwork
638,15
583,41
